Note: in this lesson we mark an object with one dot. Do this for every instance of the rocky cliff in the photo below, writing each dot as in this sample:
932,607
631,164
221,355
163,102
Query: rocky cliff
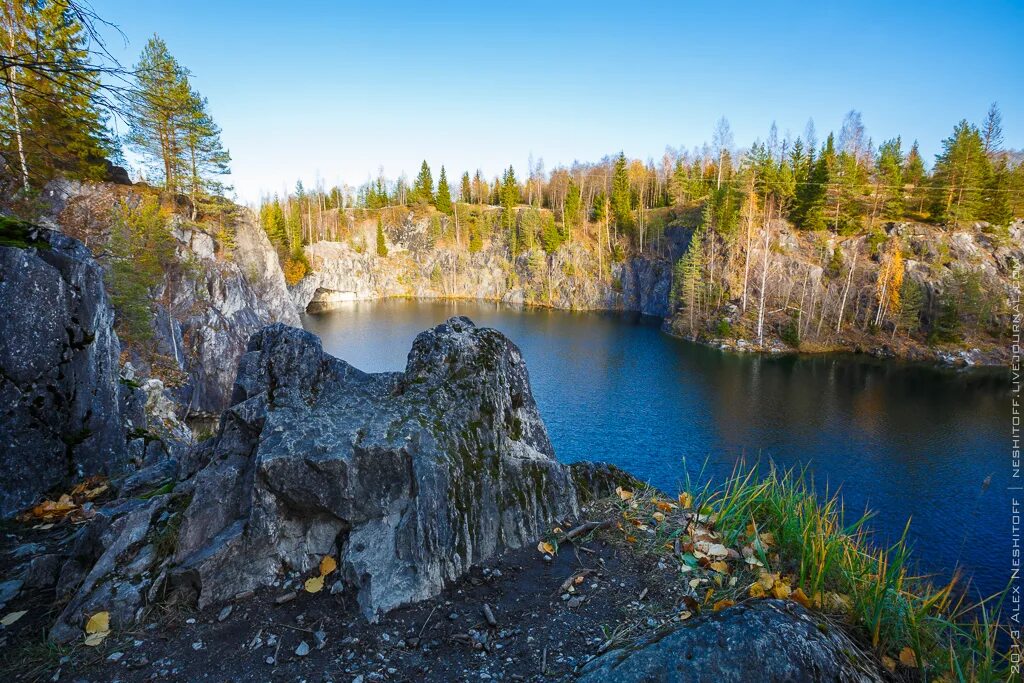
62,404
226,285
569,278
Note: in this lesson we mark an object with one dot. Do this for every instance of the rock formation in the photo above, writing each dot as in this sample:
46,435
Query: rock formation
408,478
60,394
766,640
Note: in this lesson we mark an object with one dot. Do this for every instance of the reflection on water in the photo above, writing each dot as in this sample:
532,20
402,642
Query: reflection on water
906,441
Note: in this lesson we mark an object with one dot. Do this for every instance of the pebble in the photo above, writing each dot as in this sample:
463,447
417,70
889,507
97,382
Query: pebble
190,620
115,656
287,597
302,650
453,616
198,645
225,613
269,660
321,639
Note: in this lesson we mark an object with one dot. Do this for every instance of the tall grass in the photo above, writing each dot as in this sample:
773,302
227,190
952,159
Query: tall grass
885,602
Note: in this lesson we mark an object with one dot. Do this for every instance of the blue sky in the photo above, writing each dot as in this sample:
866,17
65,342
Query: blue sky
340,89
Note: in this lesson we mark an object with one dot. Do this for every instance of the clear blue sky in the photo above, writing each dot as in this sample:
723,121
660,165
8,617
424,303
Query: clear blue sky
341,89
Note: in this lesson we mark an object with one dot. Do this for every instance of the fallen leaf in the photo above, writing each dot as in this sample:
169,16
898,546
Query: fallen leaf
767,539
720,567
659,516
889,663
722,604
908,658
781,590
327,565
757,590
685,500
624,494
665,506
630,539
557,530
13,617
684,615
799,596
98,623
94,639
314,584
545,547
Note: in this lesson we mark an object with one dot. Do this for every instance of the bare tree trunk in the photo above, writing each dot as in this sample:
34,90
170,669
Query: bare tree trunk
764,274
846,290
750,228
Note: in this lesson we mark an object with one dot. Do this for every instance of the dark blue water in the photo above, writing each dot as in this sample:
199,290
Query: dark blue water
910,442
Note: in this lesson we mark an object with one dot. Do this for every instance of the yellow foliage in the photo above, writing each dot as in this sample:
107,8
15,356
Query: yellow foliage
315,584
294,271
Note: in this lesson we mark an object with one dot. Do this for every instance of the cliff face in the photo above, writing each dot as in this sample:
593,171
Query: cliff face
207,313
62,402
569,278
206,309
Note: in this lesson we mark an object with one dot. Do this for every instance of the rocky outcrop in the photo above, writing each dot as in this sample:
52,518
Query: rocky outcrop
568,278
60,393
779,640
206,313
408,478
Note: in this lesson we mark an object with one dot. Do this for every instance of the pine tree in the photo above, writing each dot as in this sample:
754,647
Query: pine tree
914,176
911,303
550,238
159,105
443,200
996,207
204,154
466,190
509,201
959,173
809,213
423,189
689,275
382,245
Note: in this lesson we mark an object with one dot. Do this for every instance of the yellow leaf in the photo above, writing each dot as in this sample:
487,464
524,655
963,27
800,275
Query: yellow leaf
659,517
624,494
767,539
908,658
722,604
557,530
94,639
799,596
767,579
720,567
630,539
780,590
664,506
757,591
98,623
13,617
327,565
545,547
889,663
685,500
684,615
315,584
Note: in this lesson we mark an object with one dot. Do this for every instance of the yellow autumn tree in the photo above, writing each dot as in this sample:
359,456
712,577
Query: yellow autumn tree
890,281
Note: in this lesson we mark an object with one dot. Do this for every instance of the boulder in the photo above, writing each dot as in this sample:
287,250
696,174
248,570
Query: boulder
407,478
764,640
60,395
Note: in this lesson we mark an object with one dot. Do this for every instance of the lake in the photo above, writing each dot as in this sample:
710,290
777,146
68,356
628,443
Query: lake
907,441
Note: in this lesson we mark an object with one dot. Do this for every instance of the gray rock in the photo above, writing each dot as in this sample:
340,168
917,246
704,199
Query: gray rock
766,640
9,590
408,478
150,478
59,383
43,571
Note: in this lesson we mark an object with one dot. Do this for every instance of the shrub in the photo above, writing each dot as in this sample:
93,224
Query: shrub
294,271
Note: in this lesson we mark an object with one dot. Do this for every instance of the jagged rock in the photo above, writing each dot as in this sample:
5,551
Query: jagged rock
408,478
150,478
779,640
106,569
60,395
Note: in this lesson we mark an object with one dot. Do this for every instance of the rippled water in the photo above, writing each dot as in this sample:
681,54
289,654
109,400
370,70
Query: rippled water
906,441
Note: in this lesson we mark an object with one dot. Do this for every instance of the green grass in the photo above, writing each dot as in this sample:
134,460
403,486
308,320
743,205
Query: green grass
20,234
872,591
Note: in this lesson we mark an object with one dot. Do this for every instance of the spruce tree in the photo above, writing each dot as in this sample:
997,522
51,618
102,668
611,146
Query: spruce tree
466,190
509,193
573,207
423,189
889,179
622,212
443,200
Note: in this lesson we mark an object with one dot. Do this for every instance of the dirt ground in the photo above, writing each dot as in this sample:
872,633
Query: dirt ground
542,630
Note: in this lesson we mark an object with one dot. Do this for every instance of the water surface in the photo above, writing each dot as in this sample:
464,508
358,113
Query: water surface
907,441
